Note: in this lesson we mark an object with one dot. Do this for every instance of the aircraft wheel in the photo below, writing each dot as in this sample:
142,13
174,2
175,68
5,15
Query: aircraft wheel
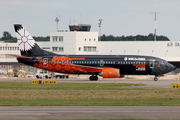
93,78
155,79
96,78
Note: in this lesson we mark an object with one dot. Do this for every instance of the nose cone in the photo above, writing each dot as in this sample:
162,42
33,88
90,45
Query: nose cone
172,67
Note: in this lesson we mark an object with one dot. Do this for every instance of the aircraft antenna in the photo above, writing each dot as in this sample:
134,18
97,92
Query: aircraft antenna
155,24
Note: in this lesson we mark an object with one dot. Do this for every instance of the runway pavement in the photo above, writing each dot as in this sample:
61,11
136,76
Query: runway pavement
165,83
89,112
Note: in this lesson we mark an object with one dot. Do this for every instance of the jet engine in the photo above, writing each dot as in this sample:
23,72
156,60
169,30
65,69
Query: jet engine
111,73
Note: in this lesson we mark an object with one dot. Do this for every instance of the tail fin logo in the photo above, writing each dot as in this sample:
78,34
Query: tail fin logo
25,40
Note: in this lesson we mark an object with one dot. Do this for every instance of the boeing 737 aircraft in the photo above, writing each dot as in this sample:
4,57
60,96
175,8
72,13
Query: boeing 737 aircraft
107,66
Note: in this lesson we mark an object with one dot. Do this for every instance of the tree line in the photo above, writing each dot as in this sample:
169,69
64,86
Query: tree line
8,38
149,37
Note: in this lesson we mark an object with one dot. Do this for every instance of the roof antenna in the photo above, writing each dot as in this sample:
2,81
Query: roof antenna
57,20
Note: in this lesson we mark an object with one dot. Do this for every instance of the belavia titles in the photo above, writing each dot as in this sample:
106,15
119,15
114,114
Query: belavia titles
107,66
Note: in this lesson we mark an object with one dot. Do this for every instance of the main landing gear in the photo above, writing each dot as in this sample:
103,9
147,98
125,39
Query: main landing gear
93,78
155,78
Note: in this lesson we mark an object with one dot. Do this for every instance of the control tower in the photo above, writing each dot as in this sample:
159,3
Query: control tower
80,27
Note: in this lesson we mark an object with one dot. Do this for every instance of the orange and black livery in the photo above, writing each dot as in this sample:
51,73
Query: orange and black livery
107,66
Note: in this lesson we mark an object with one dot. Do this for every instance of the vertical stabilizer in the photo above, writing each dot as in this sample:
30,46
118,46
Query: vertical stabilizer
27,44
25,40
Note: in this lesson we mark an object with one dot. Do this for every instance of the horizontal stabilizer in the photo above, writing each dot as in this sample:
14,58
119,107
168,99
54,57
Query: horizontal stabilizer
20,57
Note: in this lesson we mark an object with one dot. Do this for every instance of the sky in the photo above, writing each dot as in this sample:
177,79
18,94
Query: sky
119,17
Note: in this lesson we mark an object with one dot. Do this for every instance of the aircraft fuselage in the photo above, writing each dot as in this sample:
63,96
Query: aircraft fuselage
75,64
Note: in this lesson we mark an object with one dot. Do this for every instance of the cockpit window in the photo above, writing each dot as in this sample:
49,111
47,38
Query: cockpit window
163,62
156,62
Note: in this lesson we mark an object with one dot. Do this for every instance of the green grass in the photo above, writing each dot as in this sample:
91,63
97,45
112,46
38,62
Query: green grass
65,86
88,94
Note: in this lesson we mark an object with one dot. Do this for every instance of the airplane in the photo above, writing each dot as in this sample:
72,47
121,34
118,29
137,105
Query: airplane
107,66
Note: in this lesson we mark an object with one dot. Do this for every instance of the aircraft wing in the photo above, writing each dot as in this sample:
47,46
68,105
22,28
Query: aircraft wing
88,69
21,57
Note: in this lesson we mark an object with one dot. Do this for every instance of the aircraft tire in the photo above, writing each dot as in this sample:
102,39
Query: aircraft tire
93,78
155,79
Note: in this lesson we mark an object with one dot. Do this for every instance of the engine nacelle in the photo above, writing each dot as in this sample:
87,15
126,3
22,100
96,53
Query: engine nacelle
111,73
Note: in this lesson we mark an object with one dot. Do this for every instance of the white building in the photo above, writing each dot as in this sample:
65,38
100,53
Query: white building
168,50
73,42
8,48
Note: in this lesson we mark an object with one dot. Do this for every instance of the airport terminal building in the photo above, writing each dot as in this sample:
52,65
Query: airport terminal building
79,40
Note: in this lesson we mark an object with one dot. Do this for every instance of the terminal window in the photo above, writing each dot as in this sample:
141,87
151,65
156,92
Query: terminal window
9,48
90,48
57,49
57,38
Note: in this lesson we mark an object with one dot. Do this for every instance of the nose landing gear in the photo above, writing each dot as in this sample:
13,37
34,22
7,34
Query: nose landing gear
155,78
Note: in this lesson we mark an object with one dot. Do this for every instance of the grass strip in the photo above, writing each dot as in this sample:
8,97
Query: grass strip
85,94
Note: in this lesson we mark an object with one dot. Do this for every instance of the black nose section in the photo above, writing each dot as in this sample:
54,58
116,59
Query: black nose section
172,67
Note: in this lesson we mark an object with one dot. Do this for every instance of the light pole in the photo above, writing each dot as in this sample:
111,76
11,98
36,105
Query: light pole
155,25
100,21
